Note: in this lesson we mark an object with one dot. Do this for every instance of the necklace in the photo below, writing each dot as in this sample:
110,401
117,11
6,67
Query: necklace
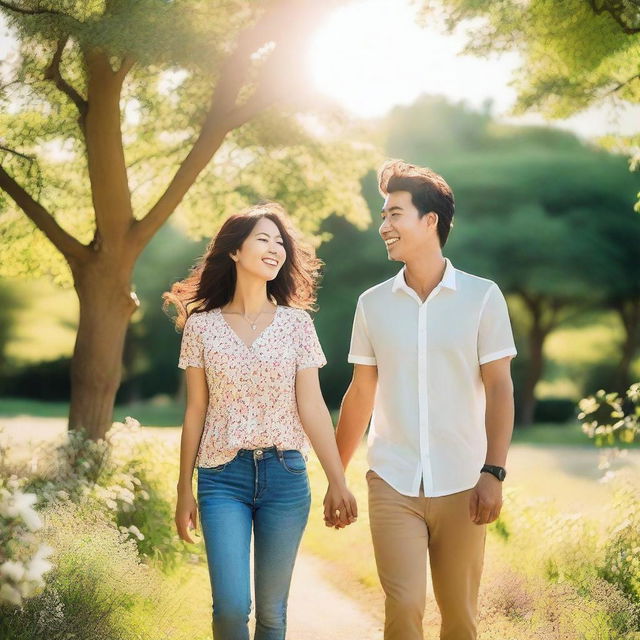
251,323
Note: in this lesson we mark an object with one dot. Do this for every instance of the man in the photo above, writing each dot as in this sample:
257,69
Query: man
432,350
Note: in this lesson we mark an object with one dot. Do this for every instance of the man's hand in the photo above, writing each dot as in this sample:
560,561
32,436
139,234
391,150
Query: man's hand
486,499
340,508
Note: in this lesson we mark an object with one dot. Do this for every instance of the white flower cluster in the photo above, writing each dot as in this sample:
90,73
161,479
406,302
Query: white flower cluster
23,560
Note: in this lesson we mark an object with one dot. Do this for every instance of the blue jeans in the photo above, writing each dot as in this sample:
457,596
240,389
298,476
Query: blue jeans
269,490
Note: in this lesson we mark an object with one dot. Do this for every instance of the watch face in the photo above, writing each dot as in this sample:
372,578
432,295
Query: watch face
502,474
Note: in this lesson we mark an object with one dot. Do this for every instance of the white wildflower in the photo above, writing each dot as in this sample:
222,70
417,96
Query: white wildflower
13,570
136,532
39,565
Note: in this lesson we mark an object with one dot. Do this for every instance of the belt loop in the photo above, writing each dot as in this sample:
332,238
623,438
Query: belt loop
280,454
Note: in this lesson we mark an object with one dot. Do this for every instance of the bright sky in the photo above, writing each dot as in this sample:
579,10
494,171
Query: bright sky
371,55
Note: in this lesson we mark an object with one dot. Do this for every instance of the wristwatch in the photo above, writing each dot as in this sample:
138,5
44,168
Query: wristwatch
498,472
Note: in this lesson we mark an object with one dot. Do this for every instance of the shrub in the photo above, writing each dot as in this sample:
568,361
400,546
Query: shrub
125,475
610,419
23,557
554,410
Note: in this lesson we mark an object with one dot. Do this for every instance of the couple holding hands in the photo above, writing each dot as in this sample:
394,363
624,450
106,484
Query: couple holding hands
431,350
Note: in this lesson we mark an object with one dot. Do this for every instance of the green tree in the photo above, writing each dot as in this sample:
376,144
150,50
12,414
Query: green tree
575,53
539,259
112,111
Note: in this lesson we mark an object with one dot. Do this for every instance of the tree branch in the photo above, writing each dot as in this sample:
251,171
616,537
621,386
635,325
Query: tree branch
615,12
63,241
224,114
105,152
16,153
30,12
53,73
622,85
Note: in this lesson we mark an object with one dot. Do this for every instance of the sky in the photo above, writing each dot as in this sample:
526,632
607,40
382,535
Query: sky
371,55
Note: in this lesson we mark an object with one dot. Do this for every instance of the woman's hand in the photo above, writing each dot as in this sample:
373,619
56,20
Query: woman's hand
186,514
340,507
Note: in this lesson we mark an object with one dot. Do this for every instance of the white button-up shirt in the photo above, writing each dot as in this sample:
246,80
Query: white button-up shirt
428,421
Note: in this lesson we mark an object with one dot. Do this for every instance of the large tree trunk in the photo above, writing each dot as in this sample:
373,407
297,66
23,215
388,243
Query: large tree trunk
106,306
532,377
543,320
629,312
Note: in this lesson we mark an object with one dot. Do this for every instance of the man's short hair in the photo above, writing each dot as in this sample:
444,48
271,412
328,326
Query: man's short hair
429,191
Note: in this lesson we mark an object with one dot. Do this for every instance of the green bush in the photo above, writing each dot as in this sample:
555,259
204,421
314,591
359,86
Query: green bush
555,410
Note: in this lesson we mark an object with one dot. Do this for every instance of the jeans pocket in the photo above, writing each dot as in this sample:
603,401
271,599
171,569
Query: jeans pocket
293,462
217,468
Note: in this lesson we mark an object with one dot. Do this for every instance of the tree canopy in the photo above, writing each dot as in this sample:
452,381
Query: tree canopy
575,53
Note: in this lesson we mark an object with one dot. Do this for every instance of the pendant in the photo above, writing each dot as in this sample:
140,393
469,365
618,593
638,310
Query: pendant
253,326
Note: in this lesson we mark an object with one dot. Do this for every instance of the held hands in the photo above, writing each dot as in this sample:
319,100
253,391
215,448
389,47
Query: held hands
186,515
340,508
486,500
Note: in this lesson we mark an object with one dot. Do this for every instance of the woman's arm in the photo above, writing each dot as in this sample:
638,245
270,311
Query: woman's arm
318,426
193,423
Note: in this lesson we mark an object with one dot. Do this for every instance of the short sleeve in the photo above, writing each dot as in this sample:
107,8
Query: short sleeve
309,352
495,338
361,350
191,349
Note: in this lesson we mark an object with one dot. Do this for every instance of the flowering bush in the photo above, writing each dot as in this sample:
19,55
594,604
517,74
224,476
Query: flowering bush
98,587
124,475
610,419
23,558
106,507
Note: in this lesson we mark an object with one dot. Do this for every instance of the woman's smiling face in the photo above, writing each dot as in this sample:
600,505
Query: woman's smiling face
262,253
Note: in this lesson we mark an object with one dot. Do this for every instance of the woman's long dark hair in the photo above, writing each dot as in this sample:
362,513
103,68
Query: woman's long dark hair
212,282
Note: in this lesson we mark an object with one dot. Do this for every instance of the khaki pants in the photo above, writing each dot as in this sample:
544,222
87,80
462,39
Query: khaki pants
404,529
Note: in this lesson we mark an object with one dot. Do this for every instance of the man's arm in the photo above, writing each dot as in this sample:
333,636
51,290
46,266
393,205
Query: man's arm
498,389
486,500
355,410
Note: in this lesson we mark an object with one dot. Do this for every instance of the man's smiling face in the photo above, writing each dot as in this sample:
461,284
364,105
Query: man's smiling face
406,234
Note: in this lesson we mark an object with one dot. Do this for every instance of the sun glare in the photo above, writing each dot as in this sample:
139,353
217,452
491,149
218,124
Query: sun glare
372,54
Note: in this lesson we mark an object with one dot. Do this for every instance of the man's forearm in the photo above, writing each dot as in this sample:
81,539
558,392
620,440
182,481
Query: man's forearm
355,413
499,422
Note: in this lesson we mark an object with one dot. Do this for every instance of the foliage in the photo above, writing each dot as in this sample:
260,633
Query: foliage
574,53
105,514
125,476
610,419
179,63
98,588
23,557
578,567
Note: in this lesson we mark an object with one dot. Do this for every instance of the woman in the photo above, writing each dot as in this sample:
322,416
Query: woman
251,356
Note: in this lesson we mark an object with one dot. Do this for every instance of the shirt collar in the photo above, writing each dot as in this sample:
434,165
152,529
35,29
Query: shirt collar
448,279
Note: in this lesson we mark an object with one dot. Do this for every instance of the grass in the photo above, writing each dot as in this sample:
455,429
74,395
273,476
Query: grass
169,413
549,476
45,326
150,414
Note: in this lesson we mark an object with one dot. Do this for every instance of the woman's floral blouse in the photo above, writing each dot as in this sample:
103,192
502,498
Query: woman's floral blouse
252,401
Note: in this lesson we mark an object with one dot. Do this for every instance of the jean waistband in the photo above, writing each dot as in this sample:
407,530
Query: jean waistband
266,452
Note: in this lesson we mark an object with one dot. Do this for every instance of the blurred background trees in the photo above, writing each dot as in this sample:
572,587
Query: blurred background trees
547,216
